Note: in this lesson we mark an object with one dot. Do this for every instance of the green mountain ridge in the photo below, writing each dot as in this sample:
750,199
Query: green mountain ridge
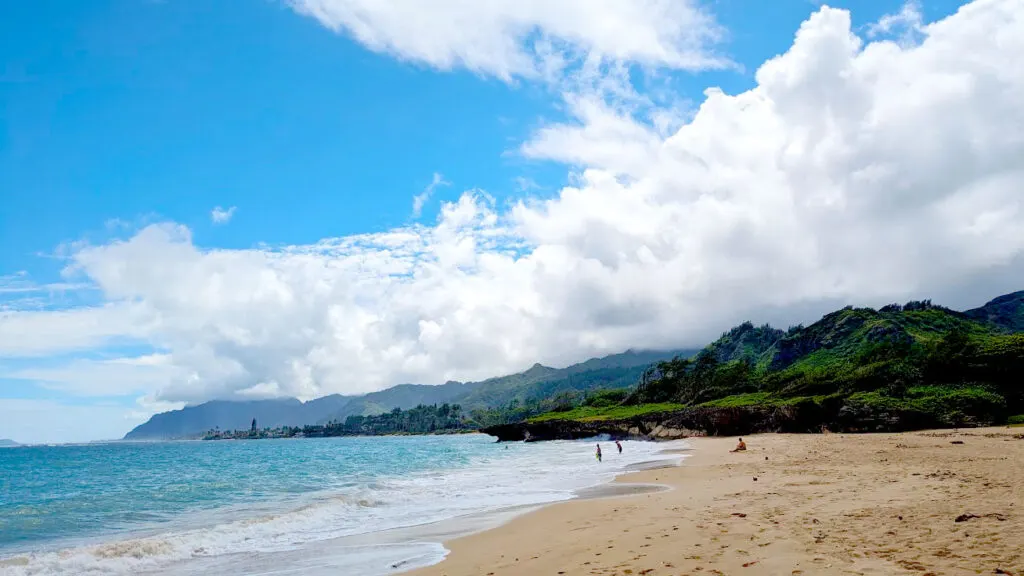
939,364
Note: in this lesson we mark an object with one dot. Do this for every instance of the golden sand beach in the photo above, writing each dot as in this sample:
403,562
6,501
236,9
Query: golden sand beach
922,503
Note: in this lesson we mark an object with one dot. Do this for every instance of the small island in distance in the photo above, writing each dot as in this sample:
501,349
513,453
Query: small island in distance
5,443
902,367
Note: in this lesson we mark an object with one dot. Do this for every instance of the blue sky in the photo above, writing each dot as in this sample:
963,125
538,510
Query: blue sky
124,116
135,110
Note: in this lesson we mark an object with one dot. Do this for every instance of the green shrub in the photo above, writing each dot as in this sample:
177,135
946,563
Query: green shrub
740,400
590,413
1018,419
951,406
606,398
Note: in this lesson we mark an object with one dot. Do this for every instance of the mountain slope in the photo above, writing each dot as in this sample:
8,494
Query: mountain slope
745,342
933,363
403,396
614,371
4,443
850,332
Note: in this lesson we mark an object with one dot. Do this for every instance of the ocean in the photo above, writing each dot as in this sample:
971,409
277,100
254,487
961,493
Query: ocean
359,506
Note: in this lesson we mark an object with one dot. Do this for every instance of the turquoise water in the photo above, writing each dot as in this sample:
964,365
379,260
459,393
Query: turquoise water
134,507
51,493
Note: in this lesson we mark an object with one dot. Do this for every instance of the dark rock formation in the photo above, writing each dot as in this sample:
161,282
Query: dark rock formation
738,421
660,426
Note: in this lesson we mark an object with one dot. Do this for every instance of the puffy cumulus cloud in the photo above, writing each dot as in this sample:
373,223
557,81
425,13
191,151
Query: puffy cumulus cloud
526,38
350,314
851,172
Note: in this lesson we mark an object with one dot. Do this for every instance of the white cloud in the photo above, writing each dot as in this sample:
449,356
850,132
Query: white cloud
604,137
850,173
526,38
524,184
419,200
18,292
221,216
907,24
20,283
39,333
124,376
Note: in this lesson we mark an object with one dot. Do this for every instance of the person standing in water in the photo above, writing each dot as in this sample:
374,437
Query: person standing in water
619,446
598,453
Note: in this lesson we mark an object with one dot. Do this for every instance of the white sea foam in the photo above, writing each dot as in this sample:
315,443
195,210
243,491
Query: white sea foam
284,537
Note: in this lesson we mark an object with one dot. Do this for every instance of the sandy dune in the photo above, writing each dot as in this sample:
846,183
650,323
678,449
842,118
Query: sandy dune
918,503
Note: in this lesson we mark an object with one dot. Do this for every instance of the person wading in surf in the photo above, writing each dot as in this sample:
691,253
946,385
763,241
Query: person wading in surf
598,455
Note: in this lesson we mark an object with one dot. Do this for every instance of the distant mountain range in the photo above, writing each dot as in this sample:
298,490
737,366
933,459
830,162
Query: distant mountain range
4,443
1006,312
237,415
615,371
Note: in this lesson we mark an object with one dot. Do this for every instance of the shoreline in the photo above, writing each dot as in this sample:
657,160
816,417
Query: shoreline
893,503
616,488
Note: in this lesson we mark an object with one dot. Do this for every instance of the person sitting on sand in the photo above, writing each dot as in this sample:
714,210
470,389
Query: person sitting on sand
598,453
740,447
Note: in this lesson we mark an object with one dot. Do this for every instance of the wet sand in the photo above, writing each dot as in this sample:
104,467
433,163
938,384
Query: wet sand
920,503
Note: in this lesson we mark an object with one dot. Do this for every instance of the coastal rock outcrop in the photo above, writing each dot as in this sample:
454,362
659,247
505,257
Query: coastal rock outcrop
656,426
803,417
